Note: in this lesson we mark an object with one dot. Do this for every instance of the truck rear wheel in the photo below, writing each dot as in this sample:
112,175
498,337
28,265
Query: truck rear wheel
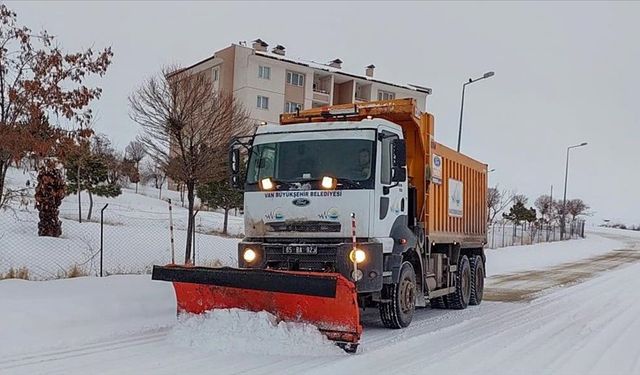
398,312
460,299
477,280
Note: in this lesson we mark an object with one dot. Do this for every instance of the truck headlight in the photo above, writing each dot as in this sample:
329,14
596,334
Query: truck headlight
266,183
249,255
357,255
328,182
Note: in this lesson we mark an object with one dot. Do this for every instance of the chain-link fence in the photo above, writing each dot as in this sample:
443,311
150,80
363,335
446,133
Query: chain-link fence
133,237
508,234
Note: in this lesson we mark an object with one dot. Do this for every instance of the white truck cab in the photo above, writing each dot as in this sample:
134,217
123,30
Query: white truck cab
307,184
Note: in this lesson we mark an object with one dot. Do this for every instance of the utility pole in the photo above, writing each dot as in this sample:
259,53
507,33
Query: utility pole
564,197
484,76
78,192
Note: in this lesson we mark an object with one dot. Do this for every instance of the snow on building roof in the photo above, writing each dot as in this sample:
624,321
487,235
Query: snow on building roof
327,68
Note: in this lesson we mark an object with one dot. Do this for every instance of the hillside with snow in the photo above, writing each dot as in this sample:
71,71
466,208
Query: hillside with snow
136,233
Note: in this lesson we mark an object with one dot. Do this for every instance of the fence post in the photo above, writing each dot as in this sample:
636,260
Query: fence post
173,250
194,237
102,235
493,236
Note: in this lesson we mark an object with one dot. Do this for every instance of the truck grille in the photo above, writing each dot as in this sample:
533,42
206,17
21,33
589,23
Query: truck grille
304,226
325,258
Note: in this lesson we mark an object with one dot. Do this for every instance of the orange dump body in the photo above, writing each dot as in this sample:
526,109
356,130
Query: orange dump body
445,223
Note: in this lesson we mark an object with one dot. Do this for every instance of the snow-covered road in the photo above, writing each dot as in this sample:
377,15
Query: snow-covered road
585,321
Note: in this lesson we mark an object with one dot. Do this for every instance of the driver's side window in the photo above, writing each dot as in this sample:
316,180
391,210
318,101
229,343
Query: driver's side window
264,166
385,163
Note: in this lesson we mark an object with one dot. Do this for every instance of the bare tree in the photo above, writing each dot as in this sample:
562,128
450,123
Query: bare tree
153,172
135,152
576,207
497,201
520,198
559,211
544,204
186,129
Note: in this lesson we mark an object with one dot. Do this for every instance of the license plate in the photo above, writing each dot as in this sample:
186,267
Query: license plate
301,249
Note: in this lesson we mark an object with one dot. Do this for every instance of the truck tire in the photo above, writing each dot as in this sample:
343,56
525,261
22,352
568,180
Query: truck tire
477,280
460,299
398,312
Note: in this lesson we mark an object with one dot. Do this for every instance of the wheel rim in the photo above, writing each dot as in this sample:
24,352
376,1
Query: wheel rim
407,296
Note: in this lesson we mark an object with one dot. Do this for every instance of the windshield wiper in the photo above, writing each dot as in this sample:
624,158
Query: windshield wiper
347,182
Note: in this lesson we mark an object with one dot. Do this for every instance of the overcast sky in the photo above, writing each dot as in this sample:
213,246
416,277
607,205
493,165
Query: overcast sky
566,73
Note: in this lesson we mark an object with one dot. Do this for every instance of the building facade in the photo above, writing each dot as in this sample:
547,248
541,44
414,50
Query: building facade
268,83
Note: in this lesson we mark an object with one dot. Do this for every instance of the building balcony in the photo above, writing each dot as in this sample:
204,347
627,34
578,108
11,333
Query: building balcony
321,96
320,89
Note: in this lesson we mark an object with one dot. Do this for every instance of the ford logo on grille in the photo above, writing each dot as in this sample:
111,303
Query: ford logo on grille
301,202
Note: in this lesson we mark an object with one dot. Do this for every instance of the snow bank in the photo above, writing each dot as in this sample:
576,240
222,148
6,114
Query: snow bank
46,314
540,256
235,330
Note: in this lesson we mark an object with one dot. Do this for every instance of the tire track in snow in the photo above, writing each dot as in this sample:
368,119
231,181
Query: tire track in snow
83,350
525,286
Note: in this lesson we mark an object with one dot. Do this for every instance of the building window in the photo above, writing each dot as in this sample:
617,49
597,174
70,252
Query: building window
296,79
264,72
386,95
263,102
215,75
291,107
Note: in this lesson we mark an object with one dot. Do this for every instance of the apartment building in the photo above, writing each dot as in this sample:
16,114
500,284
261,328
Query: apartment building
268,82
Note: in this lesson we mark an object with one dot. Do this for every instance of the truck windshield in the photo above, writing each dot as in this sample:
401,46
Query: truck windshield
349,160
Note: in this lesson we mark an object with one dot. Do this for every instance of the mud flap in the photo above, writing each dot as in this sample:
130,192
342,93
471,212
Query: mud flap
326,300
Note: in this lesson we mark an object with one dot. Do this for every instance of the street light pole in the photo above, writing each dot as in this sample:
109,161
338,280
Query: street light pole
464,85
564,196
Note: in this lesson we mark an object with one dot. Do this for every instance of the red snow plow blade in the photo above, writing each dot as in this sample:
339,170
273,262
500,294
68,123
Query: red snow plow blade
326,300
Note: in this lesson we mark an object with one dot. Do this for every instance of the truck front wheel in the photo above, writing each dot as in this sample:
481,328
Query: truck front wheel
460,299
398,311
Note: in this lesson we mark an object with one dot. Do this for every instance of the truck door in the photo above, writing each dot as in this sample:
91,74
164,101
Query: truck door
390,199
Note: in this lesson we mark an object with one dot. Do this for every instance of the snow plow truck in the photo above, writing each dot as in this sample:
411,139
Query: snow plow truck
347,207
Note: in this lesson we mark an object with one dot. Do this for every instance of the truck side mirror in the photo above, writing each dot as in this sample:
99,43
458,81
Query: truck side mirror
234,161
398,174
398,153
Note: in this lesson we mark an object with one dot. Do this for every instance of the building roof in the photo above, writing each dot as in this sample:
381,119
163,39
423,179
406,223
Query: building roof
327,68
318,66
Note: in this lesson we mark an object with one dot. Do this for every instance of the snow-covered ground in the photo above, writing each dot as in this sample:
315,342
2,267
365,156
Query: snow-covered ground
37,315
136,234
534,257
127,324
